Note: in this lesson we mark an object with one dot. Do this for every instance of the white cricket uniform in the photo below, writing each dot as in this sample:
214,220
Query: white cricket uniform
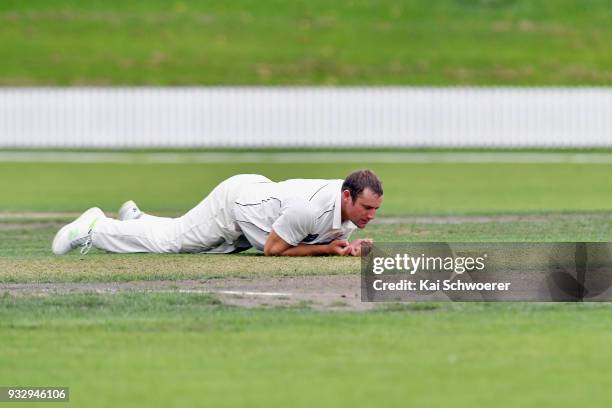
239,213
299,211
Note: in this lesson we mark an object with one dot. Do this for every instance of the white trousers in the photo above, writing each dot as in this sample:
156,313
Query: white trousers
208,227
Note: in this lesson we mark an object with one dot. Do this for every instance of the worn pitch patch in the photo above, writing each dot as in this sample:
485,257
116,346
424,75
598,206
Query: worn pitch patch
326,292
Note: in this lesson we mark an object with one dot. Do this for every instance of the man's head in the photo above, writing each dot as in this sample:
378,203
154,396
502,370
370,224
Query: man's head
362,195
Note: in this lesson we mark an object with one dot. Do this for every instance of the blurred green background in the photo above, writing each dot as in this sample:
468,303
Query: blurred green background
410,189
306,42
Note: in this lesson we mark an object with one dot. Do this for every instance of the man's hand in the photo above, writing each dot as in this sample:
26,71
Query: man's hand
339,247
356,246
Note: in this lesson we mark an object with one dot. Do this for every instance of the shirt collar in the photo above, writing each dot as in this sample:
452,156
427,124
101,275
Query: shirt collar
337,224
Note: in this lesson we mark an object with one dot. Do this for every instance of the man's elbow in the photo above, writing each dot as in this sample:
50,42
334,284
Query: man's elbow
270,250
275,245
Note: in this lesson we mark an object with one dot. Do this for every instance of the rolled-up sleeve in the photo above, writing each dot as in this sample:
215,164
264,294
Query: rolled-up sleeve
295,223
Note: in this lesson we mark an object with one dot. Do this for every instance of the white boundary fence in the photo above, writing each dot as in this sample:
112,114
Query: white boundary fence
294,117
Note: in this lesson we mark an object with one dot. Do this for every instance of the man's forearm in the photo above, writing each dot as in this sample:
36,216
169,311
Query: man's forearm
306,250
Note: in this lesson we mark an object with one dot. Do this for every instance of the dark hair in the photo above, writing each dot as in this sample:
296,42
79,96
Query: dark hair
359,180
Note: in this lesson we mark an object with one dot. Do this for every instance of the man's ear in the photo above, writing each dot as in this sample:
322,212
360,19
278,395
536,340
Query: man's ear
346,194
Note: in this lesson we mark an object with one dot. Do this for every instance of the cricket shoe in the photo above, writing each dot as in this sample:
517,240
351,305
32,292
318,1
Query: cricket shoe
77,233
129,211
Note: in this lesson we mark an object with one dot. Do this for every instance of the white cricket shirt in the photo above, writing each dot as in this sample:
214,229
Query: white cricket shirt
300,211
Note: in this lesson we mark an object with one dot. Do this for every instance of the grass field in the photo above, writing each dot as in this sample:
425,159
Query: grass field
313,42
168,348
429,188
165,350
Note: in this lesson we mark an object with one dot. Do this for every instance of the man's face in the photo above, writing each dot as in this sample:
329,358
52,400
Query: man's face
363,209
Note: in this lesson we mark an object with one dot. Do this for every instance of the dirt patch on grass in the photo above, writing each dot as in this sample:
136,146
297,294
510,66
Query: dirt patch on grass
336,292
4,215
22,226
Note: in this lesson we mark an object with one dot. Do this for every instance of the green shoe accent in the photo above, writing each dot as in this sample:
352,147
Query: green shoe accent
92,224
73,234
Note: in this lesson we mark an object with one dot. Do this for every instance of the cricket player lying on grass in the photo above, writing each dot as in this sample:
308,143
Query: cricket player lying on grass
291,218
